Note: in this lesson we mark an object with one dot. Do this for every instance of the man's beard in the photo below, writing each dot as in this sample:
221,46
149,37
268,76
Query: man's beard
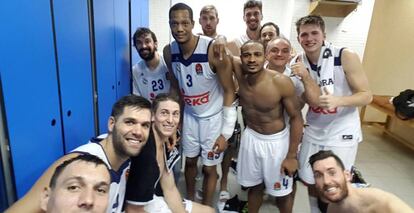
148,57
117,144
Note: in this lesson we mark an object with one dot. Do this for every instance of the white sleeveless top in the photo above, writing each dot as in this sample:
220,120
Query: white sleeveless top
149,83
118,178
338,127
198,84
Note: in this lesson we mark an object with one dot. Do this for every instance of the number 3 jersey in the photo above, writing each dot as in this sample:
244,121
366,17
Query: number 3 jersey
149,83
199,85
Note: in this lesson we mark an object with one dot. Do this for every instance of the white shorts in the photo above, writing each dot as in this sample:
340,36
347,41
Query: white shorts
259,161
347,154
158,205
200,134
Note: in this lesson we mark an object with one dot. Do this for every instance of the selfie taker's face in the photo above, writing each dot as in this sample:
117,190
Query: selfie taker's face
330,180
81,187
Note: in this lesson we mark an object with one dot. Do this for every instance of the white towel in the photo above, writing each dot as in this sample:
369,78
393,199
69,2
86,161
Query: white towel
325,67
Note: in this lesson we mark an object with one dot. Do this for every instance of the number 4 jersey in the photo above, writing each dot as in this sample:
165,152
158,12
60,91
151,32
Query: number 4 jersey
199,85
149,83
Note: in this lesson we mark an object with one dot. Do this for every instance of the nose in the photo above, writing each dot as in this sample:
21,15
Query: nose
137,130
86,199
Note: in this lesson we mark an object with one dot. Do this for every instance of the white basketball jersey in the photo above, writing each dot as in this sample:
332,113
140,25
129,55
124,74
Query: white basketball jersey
149,83
340,126
199,85
118,178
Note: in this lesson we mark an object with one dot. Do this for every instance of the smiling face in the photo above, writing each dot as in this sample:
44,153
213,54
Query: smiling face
311,38
268,33
208,21
146,47
278,52
81,187
181,25
252,57
330,180
167,118
252,17
130,131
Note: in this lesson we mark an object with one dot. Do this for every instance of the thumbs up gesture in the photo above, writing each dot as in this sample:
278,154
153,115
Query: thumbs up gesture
327,100
298,68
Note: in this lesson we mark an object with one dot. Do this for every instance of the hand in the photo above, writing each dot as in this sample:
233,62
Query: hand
220,145
290,165
219,47
327,100
172,141
299,69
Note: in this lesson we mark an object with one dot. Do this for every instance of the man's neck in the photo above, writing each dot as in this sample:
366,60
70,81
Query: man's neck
187,48
253,78
114,159
253,35
153,63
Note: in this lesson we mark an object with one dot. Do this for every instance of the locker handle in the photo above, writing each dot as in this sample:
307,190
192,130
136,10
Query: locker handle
69,113
53,122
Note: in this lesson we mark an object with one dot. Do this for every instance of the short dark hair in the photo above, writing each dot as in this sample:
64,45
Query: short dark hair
323,154
310,19
181,6
271,24
129,101
251,4
83,157
143,31
164,97
251,42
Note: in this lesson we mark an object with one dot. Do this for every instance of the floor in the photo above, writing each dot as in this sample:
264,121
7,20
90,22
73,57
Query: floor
383,162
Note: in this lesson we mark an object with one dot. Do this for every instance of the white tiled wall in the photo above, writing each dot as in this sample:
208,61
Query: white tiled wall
350,31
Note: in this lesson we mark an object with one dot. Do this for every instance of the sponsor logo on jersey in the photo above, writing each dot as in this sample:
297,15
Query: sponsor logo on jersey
199,69
144,81
210,155
197,100
152,96
276,186
327,53
320,110
347,137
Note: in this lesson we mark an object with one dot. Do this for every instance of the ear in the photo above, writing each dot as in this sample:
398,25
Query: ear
348,175
324,35
111,124
199,20
44,198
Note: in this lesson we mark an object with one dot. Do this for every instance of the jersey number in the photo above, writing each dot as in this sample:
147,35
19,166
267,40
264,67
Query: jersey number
157,85
189,80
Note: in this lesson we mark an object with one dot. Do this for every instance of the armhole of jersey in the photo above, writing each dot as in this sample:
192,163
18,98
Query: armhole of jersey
340,56
213,69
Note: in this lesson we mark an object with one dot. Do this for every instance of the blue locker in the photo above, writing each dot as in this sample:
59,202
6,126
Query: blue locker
122,48
139,18
75,74
104,25
30,89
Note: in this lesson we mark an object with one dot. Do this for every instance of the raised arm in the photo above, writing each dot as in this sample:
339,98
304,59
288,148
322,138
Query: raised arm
357,80
311,91
171,194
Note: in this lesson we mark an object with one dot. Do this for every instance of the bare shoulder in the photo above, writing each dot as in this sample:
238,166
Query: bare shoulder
167,54
387,200
30,202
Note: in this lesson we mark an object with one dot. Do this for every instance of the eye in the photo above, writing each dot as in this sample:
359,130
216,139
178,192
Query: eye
73,188
146,125
102,190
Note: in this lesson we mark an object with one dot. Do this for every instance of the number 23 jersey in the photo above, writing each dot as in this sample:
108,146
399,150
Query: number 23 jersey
149,83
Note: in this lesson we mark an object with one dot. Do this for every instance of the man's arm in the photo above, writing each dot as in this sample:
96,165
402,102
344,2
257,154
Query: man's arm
171,194
224,71
291,105
174,89
135,87
31,201
357,80
311,91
